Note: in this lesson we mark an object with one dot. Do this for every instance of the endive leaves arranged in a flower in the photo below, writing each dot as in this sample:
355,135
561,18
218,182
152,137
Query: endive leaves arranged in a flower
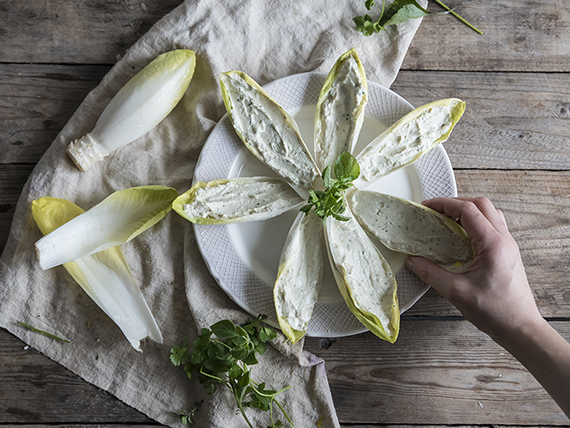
236,200
299,277
117,219
364,277
411,228
340,109
105,276
268,131
409,138
137,108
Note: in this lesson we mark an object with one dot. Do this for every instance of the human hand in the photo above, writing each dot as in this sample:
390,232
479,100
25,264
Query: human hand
493,292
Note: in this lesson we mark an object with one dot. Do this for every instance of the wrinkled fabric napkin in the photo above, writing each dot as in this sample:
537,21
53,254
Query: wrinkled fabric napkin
265,39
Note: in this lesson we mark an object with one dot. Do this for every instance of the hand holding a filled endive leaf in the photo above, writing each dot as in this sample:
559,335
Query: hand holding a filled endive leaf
493,293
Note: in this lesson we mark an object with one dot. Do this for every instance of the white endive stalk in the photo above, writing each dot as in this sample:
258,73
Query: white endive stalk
137,108
104,276
116,220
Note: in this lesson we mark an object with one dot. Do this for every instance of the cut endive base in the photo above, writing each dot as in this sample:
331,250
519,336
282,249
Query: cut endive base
104,276
411,228
364,277
269,132
116,220
340,109
300,275
236,200
408,139
137,108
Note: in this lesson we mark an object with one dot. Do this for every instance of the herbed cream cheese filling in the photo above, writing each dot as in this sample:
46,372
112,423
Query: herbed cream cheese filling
366,272
266,131
409,229
405,143
337,128
300,272
242,198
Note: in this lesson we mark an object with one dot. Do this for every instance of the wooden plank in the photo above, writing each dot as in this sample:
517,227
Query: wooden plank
536,205
36,101
437,372
526,35
60,31
529,35
12,180
512,120
35,389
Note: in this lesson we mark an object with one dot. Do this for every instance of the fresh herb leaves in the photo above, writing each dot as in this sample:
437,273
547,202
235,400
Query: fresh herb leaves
398,12
330,202
221,355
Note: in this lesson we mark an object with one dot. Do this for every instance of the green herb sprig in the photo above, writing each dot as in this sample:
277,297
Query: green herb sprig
45,333
221,355
398,12
330,202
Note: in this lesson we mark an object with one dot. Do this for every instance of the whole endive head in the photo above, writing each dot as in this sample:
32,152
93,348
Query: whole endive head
137,108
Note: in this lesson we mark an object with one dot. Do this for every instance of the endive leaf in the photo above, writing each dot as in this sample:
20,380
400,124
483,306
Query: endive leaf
340,109
364,277
411,228
236,200
104,276
137,108
299,277
116,220
409,138
267,130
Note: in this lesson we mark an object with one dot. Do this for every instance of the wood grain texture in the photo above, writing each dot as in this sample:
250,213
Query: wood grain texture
36,101
437,372
35,389
528,35
65,32
512,120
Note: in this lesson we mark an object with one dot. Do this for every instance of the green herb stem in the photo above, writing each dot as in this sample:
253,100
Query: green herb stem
45,333
459,17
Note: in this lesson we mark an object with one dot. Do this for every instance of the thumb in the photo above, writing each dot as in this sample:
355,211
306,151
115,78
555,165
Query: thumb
431,274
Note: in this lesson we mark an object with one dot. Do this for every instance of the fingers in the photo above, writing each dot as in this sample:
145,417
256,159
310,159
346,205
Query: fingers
495,217
473,220
431,274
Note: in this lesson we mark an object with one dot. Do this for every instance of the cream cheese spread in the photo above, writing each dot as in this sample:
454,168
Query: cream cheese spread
411,228
243,199
341,114
403,144
300,272
367,275
268,132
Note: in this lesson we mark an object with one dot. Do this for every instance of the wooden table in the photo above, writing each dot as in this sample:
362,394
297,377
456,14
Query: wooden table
512,145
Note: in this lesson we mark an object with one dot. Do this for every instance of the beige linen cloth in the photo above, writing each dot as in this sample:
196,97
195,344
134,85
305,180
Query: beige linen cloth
267,40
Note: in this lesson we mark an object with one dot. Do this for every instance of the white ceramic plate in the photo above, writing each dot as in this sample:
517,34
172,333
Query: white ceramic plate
244,258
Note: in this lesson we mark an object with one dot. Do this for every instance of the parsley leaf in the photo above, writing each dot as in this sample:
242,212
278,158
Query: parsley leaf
330,202
398,12
221,355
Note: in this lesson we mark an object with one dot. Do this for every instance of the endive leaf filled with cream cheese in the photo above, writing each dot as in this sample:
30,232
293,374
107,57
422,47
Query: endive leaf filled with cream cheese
409,138
340,109
105,276
268,131
236,200
114,221
300,276
364,277
137,108
411,228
